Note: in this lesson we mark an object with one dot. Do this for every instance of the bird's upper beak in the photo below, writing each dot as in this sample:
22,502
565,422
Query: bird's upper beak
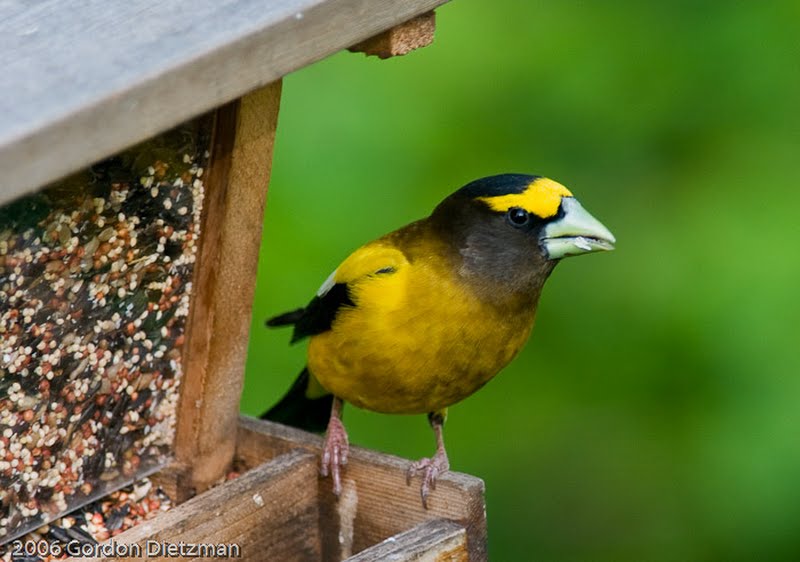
577,232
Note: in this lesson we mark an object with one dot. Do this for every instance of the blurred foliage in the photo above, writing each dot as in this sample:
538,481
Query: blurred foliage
654,415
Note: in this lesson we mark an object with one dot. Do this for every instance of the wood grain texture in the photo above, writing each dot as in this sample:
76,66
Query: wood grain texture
401,39
173,479
219,322
376,503
270,512
438,540
70,97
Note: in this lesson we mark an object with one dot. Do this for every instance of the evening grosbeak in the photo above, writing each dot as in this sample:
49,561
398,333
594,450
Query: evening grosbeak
424,316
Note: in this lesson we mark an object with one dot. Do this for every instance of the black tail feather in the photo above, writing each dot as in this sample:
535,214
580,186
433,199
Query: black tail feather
297,410
286,319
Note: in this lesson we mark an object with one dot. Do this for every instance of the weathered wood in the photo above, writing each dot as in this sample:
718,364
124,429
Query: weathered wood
401,39
433,541
219,322
173,480
375,503
270,512
69,98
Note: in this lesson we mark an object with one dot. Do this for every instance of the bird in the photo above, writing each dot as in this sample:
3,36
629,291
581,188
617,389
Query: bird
421,318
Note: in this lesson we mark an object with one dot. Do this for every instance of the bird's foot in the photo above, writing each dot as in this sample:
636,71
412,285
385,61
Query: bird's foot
431,468
334,452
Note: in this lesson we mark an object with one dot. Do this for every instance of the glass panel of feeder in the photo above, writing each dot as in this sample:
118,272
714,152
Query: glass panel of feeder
95,281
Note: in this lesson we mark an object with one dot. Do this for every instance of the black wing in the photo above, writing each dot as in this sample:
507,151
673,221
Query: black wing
318,316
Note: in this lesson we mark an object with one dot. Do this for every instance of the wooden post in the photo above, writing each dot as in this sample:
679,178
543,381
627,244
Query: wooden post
224,283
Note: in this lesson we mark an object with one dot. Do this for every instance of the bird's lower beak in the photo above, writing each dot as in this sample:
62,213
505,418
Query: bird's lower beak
577,232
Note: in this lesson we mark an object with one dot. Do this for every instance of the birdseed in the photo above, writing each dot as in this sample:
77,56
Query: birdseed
95,282
93,523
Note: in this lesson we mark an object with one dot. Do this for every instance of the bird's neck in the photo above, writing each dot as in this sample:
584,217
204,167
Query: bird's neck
501,278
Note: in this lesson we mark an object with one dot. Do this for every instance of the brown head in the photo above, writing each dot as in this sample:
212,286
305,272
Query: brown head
506,233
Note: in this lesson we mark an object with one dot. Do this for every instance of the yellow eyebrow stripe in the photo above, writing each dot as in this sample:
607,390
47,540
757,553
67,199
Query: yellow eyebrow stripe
542,197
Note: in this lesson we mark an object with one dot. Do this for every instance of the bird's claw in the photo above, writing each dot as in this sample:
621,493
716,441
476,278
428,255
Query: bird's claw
334,453
431,468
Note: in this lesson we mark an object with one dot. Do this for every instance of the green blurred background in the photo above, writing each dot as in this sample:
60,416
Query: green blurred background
654,414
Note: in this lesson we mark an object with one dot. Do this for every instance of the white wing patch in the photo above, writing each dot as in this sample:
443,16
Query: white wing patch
328,284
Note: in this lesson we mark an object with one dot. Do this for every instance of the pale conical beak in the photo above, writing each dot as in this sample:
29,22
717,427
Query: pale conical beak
577,232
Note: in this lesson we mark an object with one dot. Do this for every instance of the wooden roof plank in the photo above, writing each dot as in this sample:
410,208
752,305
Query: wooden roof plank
85,79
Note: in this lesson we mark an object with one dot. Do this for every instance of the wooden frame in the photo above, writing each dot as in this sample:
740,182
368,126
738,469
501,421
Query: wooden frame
378,516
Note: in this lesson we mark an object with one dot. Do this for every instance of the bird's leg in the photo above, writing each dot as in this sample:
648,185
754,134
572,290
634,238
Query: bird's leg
434,466
335,449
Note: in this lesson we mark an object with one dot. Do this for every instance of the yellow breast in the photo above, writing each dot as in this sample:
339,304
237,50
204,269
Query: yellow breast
418,340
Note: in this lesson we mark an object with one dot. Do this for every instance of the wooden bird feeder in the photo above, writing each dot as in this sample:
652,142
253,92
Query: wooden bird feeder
135,148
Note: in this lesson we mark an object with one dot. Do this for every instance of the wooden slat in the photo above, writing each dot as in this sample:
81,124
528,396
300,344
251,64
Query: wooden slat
219,322
375,503
270,512
438,540
401,39
69,97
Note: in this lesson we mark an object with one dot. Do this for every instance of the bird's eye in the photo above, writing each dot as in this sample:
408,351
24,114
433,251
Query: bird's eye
518,217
